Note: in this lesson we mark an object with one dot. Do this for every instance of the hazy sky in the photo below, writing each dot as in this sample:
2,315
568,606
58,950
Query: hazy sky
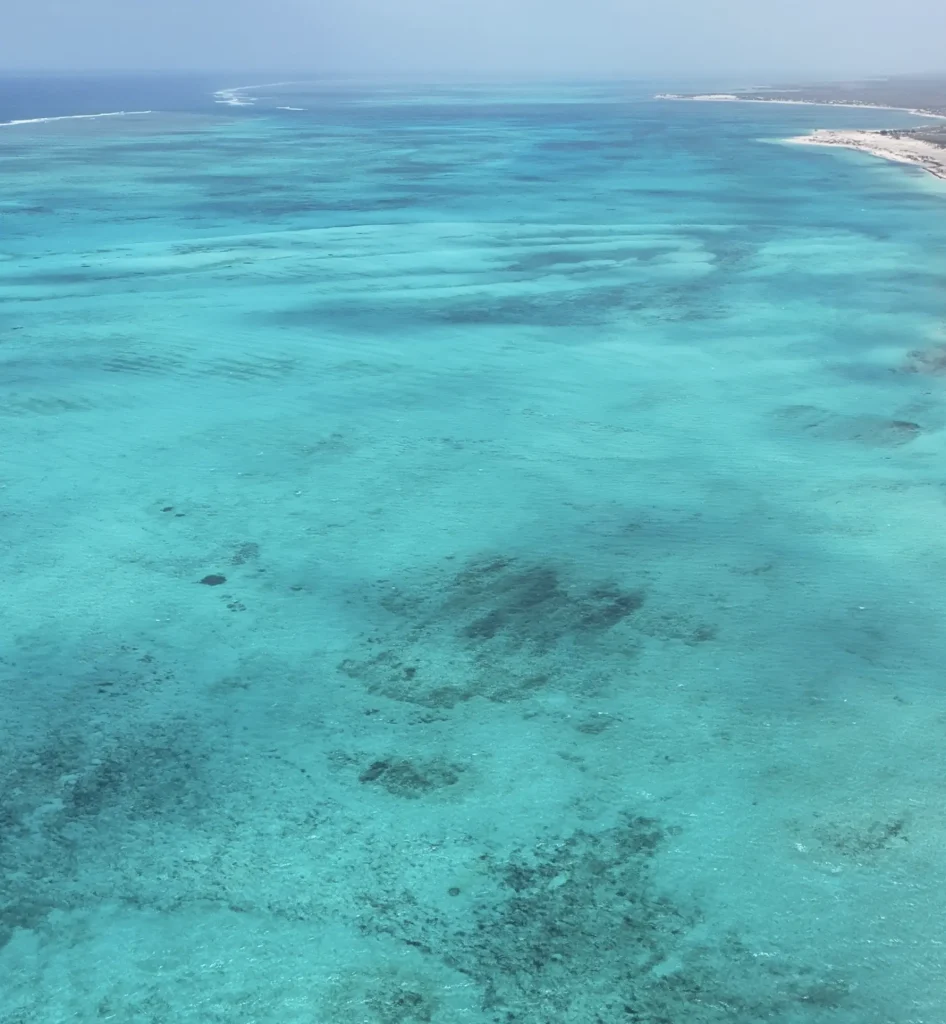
764,38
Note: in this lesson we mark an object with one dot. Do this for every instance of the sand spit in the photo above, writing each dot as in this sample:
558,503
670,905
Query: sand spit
734,98
897,146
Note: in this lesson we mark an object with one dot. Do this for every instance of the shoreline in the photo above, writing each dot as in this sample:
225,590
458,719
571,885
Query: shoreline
900,149
733,98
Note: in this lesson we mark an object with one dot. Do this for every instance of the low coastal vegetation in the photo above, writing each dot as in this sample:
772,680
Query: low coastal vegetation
923,146
934,134
924,95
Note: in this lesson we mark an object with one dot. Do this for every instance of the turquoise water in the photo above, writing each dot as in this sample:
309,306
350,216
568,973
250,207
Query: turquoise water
470,556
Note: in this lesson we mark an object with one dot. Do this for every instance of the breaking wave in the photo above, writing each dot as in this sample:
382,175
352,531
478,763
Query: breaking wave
73,117
241,95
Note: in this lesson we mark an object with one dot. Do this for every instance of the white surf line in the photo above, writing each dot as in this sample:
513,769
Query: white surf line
234,97
732,98
74,117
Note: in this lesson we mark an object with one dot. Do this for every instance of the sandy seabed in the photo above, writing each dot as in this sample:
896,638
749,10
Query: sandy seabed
436,595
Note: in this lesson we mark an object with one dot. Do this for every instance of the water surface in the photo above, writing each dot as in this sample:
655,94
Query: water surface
470,555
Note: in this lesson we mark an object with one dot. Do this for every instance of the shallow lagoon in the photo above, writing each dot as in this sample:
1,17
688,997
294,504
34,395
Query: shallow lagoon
579,650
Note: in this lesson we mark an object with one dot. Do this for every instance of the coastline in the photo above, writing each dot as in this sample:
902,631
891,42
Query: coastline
733,98
898,147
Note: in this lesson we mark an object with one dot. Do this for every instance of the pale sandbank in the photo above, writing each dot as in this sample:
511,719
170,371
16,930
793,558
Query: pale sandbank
725,97
896,146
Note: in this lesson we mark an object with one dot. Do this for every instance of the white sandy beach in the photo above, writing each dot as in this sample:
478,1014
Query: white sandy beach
901,149
733,98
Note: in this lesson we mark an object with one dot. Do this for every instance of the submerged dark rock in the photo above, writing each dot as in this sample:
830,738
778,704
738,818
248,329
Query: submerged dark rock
411,779
930,361
870,430
578,928
499,627
213,580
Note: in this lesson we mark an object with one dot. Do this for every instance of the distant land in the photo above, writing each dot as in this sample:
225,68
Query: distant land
918,94
923,146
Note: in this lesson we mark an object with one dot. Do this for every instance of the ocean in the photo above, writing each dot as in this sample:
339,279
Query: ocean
472,554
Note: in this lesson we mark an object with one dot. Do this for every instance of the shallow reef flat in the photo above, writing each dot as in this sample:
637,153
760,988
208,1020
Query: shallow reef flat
470,558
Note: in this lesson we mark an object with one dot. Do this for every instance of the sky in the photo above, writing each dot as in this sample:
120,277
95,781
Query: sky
767,39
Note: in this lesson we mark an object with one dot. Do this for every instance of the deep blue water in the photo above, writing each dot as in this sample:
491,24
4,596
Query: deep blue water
470,554
27,96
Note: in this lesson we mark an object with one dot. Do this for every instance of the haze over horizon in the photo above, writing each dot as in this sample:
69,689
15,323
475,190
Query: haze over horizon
543,38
